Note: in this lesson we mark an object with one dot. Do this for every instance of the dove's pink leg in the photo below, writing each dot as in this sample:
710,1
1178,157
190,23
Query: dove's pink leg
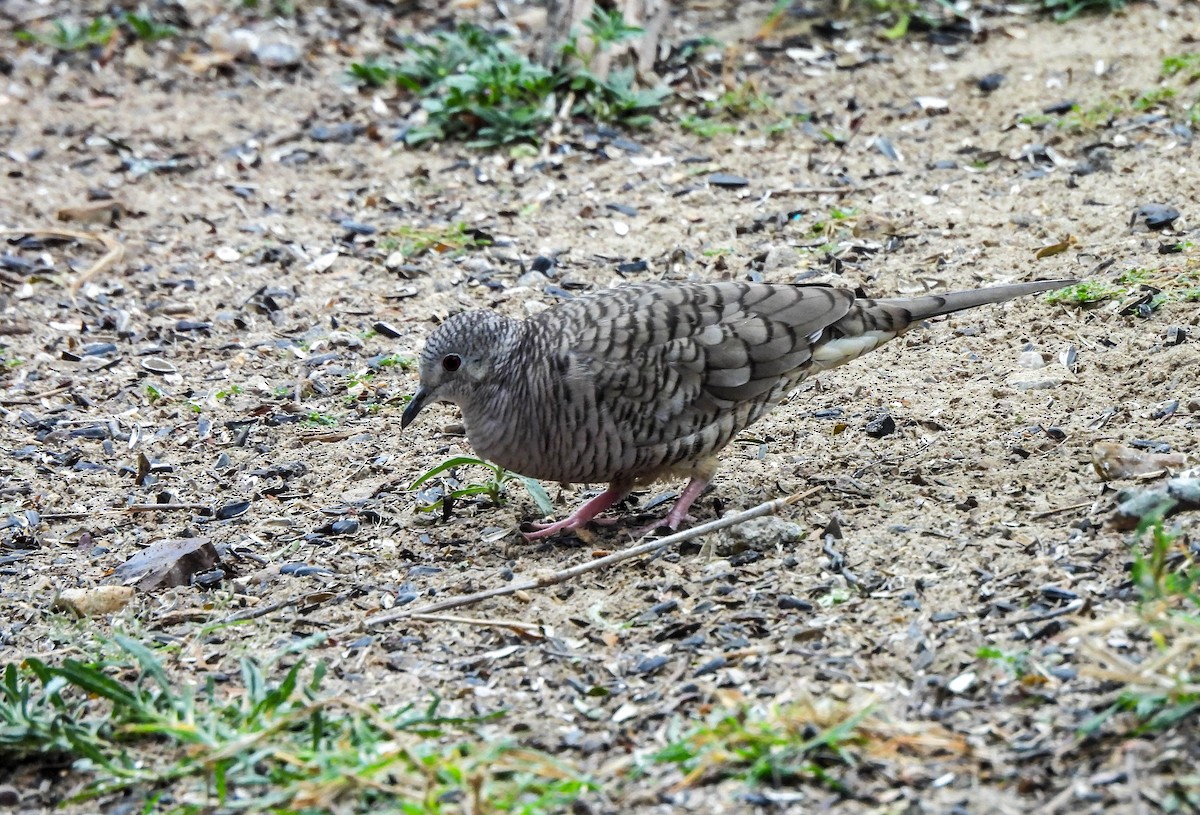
680,511
690,493
580,517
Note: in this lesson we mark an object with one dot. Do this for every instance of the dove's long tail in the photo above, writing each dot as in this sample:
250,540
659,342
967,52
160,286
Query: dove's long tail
871,323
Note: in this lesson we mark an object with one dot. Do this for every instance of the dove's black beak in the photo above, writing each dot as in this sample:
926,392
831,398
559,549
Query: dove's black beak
414,407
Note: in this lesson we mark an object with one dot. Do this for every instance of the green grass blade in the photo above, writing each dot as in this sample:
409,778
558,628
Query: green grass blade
538,493
457,461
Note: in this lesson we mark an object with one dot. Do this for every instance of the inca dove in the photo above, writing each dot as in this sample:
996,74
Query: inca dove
643,382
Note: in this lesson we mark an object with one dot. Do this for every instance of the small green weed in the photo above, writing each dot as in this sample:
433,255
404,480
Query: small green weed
1085,293
1064,10
395,361
1187,64
833,225
493,487
1153,710
1079,119
779,747
1168,285
1015,664
1154,98
274,8
1038,120
737,109
1178,72
263,745
744,100
316,418
474,86
67,36
227,393
146,28
1163,689
1154,575
902,10
707,128
414,241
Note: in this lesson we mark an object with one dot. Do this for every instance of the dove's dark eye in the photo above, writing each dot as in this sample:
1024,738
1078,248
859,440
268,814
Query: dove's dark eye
451,362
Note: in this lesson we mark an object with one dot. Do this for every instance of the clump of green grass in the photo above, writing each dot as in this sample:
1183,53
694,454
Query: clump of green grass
475,87
1179,72
737,108
784,746
1157,573
1015,664
491,487
1163,689
274,8
145,27
1079,119
396,361
903,11
263,745
1187,64
707,128
414,241
1168,286
1154,98
1085,293
1064,10
65,35
316,418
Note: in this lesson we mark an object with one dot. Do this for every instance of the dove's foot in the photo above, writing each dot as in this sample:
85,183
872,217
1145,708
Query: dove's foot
679,512
581,517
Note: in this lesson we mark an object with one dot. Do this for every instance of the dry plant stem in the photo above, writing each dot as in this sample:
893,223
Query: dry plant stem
164,507
261,611
554,578
516,625
112,257
822,190
1048,512
33,399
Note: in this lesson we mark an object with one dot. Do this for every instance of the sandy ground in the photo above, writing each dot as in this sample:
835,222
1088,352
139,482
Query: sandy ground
243,315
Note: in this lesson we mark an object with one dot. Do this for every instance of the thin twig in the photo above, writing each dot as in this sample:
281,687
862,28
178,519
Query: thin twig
110,258
821,190
554,578
1069,608
525,628
37,397
260,611
164,507
1047,513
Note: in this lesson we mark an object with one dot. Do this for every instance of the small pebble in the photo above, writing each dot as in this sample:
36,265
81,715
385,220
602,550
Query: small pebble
990,82
712,666
728,181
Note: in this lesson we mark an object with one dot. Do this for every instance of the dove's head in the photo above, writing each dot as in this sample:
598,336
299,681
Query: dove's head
461,359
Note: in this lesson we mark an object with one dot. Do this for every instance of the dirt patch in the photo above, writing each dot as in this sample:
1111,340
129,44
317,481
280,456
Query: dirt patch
236,346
